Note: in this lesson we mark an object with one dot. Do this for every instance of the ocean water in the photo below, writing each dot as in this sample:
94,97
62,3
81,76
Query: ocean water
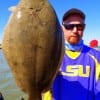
8,86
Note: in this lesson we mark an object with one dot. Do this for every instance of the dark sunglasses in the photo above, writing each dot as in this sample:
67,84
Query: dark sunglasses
71,26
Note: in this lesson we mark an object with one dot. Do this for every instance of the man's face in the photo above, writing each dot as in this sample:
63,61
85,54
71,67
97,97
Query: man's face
73,28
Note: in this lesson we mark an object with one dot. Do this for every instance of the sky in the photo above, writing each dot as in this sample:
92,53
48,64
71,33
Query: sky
91,8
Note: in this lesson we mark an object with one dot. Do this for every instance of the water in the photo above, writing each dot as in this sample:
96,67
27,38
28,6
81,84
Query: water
8,85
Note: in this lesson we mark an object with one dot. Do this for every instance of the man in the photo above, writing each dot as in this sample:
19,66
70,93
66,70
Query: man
79,76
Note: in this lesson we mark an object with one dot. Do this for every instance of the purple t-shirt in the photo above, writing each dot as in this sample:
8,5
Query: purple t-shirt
79,78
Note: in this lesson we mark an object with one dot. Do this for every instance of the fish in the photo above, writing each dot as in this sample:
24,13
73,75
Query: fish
33,45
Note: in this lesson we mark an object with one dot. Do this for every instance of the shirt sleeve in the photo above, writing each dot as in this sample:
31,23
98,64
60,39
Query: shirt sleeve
97,90
97,83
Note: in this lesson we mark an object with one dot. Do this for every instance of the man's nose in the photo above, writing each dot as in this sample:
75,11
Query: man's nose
75,29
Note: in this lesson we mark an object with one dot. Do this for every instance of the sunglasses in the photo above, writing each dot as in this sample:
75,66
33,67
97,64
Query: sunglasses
71,26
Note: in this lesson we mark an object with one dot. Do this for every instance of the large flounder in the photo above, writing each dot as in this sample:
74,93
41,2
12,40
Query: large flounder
33,45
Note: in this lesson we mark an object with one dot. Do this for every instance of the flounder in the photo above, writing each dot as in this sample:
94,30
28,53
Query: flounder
33,44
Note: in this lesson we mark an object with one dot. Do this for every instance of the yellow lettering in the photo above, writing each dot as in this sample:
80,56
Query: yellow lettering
77,70
86,74
72,70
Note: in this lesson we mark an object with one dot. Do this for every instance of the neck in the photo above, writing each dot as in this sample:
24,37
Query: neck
73,48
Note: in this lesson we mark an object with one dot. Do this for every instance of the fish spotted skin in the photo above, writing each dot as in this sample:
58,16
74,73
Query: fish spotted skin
33,45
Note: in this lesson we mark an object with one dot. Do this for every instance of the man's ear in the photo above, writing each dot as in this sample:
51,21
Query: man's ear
62,27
